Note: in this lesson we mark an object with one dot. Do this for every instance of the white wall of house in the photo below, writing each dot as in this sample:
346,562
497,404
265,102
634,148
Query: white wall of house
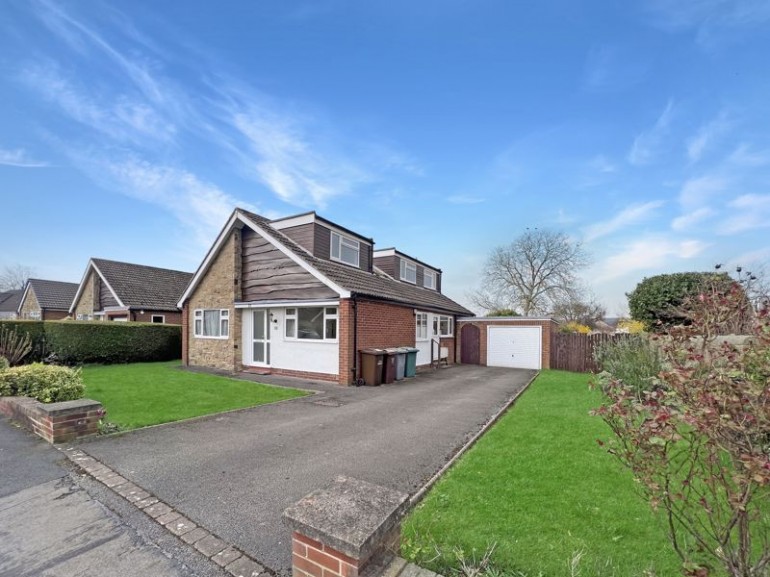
290,354
424,344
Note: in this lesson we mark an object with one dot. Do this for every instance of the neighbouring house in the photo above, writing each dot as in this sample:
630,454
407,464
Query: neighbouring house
9,304
121,291
302,296
46,300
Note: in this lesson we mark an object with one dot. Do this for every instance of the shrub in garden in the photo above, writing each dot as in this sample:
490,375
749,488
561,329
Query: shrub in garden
698,444
634,360
34,330
46,383
575,327
14,345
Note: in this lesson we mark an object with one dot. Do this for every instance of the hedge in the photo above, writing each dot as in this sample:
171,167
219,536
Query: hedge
79,342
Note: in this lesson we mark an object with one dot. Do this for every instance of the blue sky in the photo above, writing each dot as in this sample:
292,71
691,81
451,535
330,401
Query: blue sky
130,130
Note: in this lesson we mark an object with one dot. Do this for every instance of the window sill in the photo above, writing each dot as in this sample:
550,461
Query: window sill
211,338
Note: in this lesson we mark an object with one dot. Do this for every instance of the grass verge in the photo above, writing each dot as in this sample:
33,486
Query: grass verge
141,394
539,487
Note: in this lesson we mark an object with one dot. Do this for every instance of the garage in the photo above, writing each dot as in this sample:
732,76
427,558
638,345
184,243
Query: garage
514,342
514,347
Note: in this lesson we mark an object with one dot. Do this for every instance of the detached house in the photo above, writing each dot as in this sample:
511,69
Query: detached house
302,296
121,291
46,300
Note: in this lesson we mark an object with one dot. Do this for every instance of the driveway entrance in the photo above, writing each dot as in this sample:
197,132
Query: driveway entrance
236,473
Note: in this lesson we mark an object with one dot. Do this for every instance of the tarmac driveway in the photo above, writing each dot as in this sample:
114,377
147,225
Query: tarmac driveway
236,473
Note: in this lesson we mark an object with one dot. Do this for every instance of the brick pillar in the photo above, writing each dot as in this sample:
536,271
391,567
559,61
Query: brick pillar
341,530
185,333
346,352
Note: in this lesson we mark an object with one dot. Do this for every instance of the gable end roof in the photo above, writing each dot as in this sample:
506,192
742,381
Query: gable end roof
51,294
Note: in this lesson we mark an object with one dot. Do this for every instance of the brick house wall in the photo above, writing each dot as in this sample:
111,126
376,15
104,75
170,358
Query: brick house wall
54,315
547,325
219,289
85,303
380,325
30,305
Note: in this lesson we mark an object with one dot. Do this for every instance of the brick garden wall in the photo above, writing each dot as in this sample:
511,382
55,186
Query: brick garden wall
54,422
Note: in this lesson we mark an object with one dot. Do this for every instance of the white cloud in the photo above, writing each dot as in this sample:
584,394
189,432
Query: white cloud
601,164
709,14
201,206
706,136
647,143
698,191
648,253
628,216
464,199
19,158
745,156
118,116
752,212
689,219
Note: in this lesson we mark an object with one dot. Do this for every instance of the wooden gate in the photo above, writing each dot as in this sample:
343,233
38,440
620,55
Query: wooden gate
470,345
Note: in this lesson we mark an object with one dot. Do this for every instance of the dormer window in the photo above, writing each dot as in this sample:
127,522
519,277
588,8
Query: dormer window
345,249
429,279
408,271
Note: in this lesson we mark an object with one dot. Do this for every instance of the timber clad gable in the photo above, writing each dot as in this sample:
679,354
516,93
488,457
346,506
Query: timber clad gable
268,274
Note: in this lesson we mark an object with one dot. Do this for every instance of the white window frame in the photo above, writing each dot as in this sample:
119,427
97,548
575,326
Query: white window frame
335,250
34,315
437,329
223,324
406,267
161,317
429,274
421,326
292,314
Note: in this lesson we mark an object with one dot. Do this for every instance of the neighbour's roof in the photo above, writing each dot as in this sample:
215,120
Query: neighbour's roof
53,294
362,282
10,300
141,286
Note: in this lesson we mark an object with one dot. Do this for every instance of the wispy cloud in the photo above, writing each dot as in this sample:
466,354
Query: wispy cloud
18,157
646,144
610,68
626,217
678,14
652,253
746,156
464,199
602,164
698,191
690,219
752,212
706,136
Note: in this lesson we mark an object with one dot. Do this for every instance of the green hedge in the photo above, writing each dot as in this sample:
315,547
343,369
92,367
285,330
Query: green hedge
75,342
46,383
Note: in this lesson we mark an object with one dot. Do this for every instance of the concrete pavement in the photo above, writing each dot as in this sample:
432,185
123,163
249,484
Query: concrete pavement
235,473
55,523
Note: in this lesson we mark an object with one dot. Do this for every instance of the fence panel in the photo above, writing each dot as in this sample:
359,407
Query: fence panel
575,352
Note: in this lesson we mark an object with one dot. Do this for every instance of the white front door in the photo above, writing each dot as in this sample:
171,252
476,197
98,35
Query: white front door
257,337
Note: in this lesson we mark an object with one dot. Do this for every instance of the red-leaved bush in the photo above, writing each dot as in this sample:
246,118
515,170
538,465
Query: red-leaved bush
698,439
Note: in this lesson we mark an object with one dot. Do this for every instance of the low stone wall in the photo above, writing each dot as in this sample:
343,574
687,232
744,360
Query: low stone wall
55,422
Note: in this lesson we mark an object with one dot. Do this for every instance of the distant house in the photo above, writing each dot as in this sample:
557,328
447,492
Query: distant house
302,296
9,304
46,300
121,291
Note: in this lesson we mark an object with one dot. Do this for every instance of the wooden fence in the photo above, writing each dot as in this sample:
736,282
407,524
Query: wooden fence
575,352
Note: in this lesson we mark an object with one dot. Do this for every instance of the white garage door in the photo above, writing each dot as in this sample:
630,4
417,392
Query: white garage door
515,347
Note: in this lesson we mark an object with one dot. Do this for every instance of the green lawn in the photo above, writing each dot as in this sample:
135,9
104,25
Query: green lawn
539,486
142,394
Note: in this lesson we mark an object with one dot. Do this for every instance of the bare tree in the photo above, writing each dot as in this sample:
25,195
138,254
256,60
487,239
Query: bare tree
578,306
14,277
532,274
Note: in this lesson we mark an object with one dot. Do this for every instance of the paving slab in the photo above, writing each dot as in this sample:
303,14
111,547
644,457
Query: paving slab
235,473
